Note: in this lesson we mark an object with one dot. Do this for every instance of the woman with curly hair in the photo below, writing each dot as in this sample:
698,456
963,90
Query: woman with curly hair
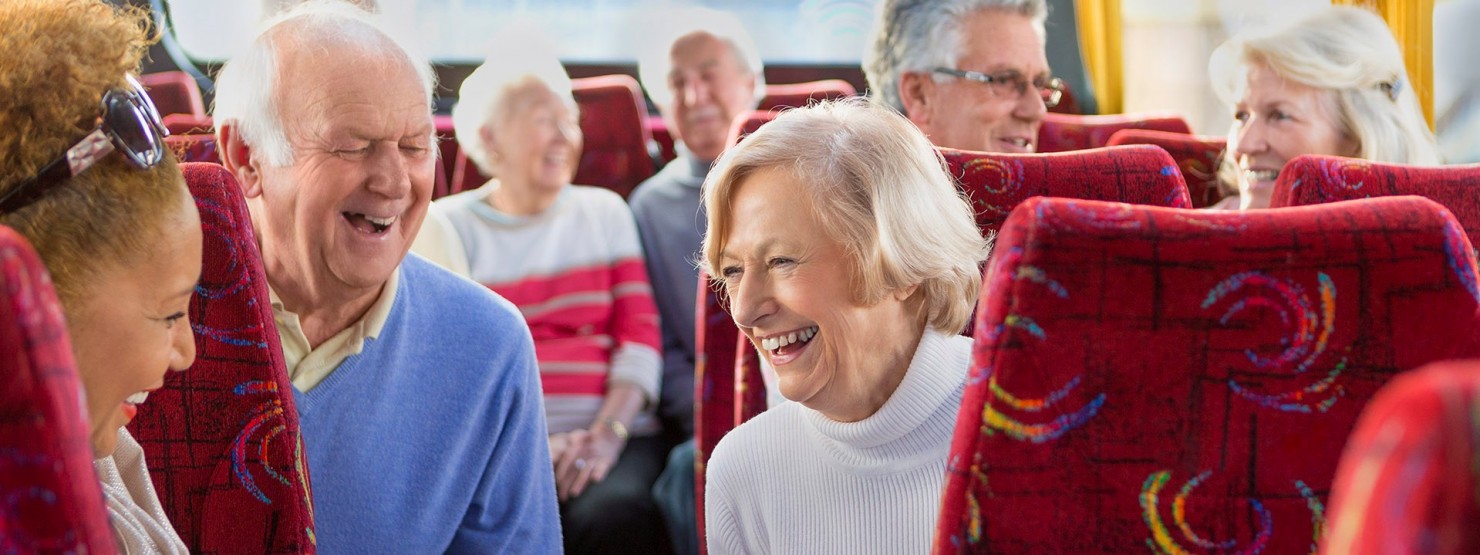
87,180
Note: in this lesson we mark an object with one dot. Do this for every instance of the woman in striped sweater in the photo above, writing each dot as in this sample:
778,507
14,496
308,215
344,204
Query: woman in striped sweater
570,258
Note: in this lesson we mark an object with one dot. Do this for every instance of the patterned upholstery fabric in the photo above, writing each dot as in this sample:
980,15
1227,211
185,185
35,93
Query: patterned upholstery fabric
222,438
50,500
1408,481
796,95
1150,380
1062,132
1197,156
1310,180
174,92
616,139
194,148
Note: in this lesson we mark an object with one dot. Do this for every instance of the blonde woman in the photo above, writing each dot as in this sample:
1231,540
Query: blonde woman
1331,83
850,262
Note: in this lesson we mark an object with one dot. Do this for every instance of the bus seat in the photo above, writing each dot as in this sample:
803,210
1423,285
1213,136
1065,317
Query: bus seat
1063,132
53,502
447,153
748,123
1196,155
222,438
797,95
189,124
174,92
1184,381
1407,481
194,148
1310,180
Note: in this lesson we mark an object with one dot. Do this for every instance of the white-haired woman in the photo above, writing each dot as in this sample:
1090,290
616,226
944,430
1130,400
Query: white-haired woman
1331,83
850,261
569,257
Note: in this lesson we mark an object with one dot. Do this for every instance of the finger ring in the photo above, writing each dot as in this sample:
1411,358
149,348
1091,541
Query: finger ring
580,464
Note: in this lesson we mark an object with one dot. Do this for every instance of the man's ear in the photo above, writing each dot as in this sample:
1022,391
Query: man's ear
916,90
236,155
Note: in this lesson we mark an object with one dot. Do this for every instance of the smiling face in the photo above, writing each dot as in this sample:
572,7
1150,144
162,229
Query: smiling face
535,137
339,220
709,87
791,292
132,325
963,114
1275,121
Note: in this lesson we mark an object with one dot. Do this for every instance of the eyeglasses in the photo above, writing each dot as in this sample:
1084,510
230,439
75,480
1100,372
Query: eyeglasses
129,124
1012,83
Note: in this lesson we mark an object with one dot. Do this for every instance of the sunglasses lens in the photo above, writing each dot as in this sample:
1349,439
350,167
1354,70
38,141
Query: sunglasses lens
130,123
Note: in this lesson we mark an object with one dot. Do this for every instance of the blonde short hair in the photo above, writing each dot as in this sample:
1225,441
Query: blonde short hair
1350,52
883,191
63,55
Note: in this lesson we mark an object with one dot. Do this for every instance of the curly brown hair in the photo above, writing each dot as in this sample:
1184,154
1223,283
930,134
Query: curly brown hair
61,56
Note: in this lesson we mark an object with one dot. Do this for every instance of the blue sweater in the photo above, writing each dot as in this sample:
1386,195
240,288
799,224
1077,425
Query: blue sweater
432,438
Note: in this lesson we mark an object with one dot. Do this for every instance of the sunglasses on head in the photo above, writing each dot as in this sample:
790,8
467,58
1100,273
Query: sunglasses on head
129,124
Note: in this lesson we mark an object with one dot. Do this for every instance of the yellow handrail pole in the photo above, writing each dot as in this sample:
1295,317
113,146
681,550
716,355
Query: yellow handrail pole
1100,42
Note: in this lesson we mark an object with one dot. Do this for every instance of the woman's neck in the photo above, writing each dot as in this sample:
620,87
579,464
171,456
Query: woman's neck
521,199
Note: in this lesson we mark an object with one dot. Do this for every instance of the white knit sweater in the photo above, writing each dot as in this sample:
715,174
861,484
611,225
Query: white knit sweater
793,481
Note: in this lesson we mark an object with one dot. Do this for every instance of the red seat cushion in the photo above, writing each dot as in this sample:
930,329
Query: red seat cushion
1196,155
1310,180
174,92
797,95
1158,380
1061,132
50,500
1407,481
194,148
222,438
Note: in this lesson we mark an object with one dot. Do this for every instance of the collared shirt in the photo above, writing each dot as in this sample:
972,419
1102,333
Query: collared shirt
308,366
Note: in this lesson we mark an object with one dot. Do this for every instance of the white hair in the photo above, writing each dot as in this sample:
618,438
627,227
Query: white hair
878,186
655,57
920,35
1350,52
247,86
484,92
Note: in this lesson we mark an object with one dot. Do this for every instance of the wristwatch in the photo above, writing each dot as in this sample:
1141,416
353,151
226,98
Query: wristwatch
617,427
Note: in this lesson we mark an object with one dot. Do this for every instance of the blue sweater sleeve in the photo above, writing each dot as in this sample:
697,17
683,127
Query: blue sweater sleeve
514,509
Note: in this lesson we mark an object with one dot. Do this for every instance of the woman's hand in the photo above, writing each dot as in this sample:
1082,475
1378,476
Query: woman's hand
586,458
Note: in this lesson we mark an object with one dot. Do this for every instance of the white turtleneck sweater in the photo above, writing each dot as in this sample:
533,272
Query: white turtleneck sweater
794,481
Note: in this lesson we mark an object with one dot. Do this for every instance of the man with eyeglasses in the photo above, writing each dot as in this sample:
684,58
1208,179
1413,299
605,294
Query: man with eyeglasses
418,391
971,74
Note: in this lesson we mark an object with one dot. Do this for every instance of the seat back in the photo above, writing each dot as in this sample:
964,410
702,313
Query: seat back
748,123
194,148
997,183
174,92
1177,381
1308,180
1063,132
52,500
189,124
222,438
1197,157
1407,481
797,95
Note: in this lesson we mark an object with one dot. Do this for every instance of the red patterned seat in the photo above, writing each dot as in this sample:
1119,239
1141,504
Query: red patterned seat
194,148
50,500
189,124
1173,381
616,138
1196,155
797,95
174,92
1063,132
222,438
1407,482
1310,180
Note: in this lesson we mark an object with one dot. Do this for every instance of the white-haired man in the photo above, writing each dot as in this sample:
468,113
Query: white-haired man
420,402
971,74
702,72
